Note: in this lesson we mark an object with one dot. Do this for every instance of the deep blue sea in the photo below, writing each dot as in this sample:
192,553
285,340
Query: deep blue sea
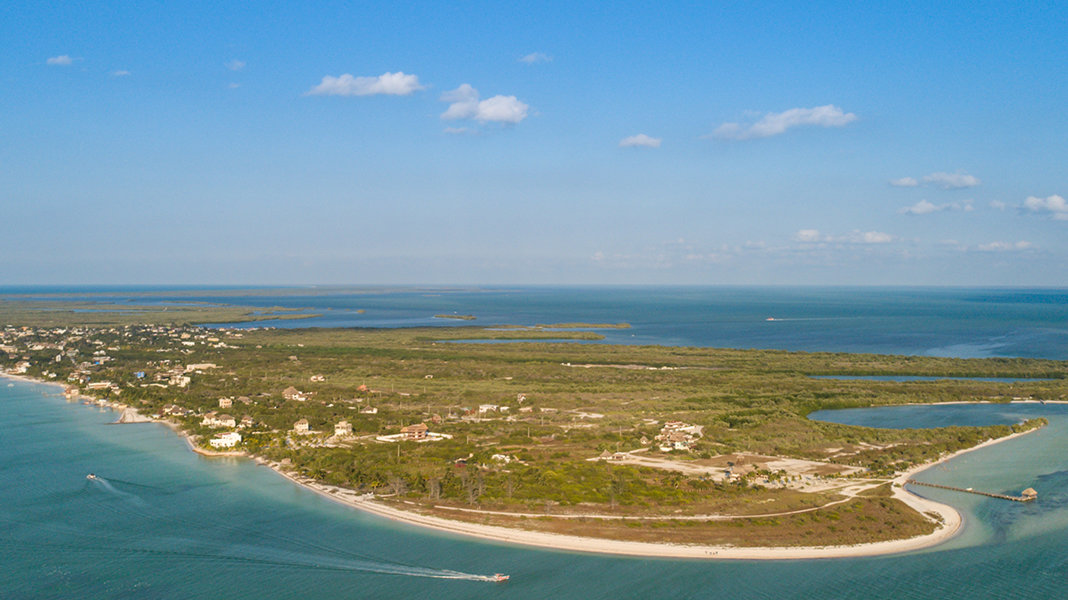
958,322
162,522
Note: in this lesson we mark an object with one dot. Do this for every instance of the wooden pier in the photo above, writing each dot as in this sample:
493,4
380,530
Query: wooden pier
1027,496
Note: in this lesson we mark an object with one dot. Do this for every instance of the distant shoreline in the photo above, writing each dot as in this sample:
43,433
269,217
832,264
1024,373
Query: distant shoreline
950,518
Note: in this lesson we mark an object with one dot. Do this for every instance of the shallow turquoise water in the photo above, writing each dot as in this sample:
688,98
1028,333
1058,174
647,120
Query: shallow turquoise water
165,523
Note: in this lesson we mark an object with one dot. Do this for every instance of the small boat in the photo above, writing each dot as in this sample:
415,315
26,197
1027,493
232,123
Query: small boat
770,319
91,476
500,577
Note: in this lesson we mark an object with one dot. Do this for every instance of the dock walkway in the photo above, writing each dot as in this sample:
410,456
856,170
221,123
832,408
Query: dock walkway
1023,498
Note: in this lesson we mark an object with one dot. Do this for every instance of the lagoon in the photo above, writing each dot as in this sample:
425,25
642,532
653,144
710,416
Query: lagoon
954,322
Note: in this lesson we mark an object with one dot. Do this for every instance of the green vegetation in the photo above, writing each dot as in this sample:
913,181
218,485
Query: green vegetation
59,313
525,418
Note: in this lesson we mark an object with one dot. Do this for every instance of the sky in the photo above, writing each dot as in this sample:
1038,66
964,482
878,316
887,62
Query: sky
710,143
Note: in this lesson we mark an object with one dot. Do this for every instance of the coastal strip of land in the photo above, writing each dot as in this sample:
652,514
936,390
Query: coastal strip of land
948,519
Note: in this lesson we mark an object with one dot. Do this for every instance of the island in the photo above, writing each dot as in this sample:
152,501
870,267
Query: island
651,450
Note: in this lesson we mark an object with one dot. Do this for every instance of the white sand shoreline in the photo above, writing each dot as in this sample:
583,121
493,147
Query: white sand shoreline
950,519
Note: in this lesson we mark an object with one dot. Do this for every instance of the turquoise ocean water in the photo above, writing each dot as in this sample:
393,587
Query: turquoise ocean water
162,522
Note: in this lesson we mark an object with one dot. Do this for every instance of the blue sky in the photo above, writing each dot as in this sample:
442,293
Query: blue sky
498,143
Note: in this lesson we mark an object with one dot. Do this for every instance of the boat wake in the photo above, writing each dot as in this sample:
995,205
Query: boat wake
213,539
99,482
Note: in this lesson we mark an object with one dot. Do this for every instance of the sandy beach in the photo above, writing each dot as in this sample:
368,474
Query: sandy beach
949,519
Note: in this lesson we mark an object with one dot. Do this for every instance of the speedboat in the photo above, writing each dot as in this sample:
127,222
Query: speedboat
500,577
91,476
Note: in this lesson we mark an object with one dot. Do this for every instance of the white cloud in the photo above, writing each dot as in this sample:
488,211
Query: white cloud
390,84
952,181
60,61
235,65
869,237
923,207
1055,206
535,58
946,181
640,140
464,103
1004,246
808,236
813,236
905,182
998,204
121,73
778,123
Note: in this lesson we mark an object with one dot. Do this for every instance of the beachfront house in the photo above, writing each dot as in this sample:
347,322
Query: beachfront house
225,440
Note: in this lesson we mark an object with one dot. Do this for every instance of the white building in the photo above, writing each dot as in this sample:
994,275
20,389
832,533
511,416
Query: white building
225,440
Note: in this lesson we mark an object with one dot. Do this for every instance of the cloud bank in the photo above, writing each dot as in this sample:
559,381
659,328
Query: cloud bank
387,84
464,103
772,124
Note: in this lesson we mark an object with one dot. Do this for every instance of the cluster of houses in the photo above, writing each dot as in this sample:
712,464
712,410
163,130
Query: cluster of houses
676,435
69,343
